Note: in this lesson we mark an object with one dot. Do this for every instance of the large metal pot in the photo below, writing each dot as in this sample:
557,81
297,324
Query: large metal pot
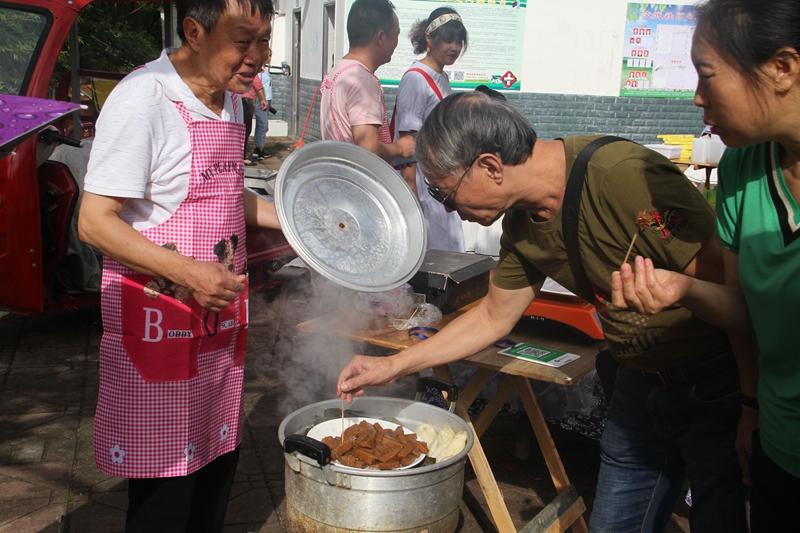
323,497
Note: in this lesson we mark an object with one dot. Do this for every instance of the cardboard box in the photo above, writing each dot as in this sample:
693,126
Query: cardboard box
451,280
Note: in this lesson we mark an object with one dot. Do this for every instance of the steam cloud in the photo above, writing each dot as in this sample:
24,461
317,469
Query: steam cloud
298,368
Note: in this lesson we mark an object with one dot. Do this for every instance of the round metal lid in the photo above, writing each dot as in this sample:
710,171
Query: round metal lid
350,216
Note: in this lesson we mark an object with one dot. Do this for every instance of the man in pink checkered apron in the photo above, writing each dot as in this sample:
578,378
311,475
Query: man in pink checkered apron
165,202
352,107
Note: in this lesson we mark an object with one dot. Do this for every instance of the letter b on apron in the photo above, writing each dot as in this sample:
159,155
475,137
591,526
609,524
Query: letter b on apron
161,334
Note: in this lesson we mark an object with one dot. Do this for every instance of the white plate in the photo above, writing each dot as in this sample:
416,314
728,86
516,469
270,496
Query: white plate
333,428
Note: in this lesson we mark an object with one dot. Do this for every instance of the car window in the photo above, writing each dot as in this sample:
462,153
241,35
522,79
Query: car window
22,31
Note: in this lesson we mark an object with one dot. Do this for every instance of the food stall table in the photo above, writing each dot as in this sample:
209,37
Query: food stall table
567,509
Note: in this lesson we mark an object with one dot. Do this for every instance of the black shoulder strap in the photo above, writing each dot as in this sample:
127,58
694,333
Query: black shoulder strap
570,210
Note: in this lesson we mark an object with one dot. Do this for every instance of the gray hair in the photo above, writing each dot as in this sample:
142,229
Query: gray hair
465,125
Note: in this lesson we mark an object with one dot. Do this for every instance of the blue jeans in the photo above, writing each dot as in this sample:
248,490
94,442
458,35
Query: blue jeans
658,433
262,127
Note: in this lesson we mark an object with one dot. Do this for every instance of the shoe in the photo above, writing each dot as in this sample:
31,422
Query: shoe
248,163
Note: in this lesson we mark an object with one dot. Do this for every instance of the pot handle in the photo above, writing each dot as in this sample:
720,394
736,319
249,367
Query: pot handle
449,391
311,448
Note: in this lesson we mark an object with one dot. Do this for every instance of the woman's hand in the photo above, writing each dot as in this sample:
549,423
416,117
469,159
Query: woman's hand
646,289
363,371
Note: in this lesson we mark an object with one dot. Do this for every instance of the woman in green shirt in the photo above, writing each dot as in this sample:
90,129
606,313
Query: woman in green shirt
747,56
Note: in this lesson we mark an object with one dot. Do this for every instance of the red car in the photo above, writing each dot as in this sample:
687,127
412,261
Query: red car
42,264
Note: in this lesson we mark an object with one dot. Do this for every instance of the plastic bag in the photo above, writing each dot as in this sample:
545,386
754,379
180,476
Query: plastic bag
395,303
423,314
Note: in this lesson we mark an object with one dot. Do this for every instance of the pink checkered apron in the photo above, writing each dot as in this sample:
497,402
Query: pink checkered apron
327,85
171,373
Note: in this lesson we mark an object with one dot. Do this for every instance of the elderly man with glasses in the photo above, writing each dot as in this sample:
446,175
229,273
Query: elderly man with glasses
675,403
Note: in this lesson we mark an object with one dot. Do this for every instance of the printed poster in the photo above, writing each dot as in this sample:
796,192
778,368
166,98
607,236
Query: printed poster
656,61
495,31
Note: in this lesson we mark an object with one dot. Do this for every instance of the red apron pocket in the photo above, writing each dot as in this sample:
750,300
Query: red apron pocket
161,334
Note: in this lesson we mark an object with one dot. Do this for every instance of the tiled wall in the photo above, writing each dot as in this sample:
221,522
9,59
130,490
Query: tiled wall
552,115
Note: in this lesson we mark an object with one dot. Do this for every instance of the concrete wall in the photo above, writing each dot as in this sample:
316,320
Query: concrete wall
571,73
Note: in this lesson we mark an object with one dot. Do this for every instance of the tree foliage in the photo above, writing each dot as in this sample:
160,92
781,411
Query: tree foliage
21,31
114,36
117,36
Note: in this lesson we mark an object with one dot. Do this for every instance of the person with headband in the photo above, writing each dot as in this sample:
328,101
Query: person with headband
442,37
352,107
747,56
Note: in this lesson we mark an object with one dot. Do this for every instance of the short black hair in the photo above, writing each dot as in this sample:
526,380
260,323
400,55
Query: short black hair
366,18
749,32
207,12
491,93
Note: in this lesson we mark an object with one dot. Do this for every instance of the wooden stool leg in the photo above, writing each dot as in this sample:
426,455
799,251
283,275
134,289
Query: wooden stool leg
483,472
546,444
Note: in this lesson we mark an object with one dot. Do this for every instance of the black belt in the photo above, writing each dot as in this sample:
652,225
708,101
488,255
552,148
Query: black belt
688,373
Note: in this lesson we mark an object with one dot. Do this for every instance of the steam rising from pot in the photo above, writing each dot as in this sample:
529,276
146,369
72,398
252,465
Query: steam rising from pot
288,368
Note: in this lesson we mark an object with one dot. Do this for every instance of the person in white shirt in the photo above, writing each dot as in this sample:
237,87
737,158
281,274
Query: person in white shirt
164,201
262,111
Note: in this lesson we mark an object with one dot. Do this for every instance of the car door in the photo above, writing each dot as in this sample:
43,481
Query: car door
34,32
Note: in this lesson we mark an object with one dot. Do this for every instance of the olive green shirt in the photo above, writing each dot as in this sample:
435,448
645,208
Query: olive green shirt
623,180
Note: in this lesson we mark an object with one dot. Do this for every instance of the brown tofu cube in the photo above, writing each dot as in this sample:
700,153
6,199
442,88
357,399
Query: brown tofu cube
364,456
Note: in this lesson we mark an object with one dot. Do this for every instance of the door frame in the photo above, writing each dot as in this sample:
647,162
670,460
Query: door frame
297,33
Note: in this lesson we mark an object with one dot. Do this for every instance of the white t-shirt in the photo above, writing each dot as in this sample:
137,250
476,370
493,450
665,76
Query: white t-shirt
141,149
415,101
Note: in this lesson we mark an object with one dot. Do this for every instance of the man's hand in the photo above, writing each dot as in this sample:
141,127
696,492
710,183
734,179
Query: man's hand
264,105
646,289
748,423
406,144
213,286
363,371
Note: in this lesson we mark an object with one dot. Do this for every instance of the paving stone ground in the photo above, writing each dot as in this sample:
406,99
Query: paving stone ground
48,390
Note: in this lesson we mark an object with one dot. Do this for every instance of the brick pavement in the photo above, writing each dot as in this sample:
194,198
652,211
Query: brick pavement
48,481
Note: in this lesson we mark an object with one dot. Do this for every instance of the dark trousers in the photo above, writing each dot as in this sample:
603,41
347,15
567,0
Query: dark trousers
657,434
195,503
249,107
774,494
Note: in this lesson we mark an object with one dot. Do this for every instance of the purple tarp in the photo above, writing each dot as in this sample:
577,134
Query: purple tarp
21,116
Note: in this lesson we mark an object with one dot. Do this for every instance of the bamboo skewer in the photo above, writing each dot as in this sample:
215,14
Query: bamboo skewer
630,247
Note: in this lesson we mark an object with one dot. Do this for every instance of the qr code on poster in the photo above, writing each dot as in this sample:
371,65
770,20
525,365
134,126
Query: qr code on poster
458,75
534,352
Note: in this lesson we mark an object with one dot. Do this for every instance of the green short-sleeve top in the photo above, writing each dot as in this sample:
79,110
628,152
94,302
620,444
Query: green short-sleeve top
759,218
624,181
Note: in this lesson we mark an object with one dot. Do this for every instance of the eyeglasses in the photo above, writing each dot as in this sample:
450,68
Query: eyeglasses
448,199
